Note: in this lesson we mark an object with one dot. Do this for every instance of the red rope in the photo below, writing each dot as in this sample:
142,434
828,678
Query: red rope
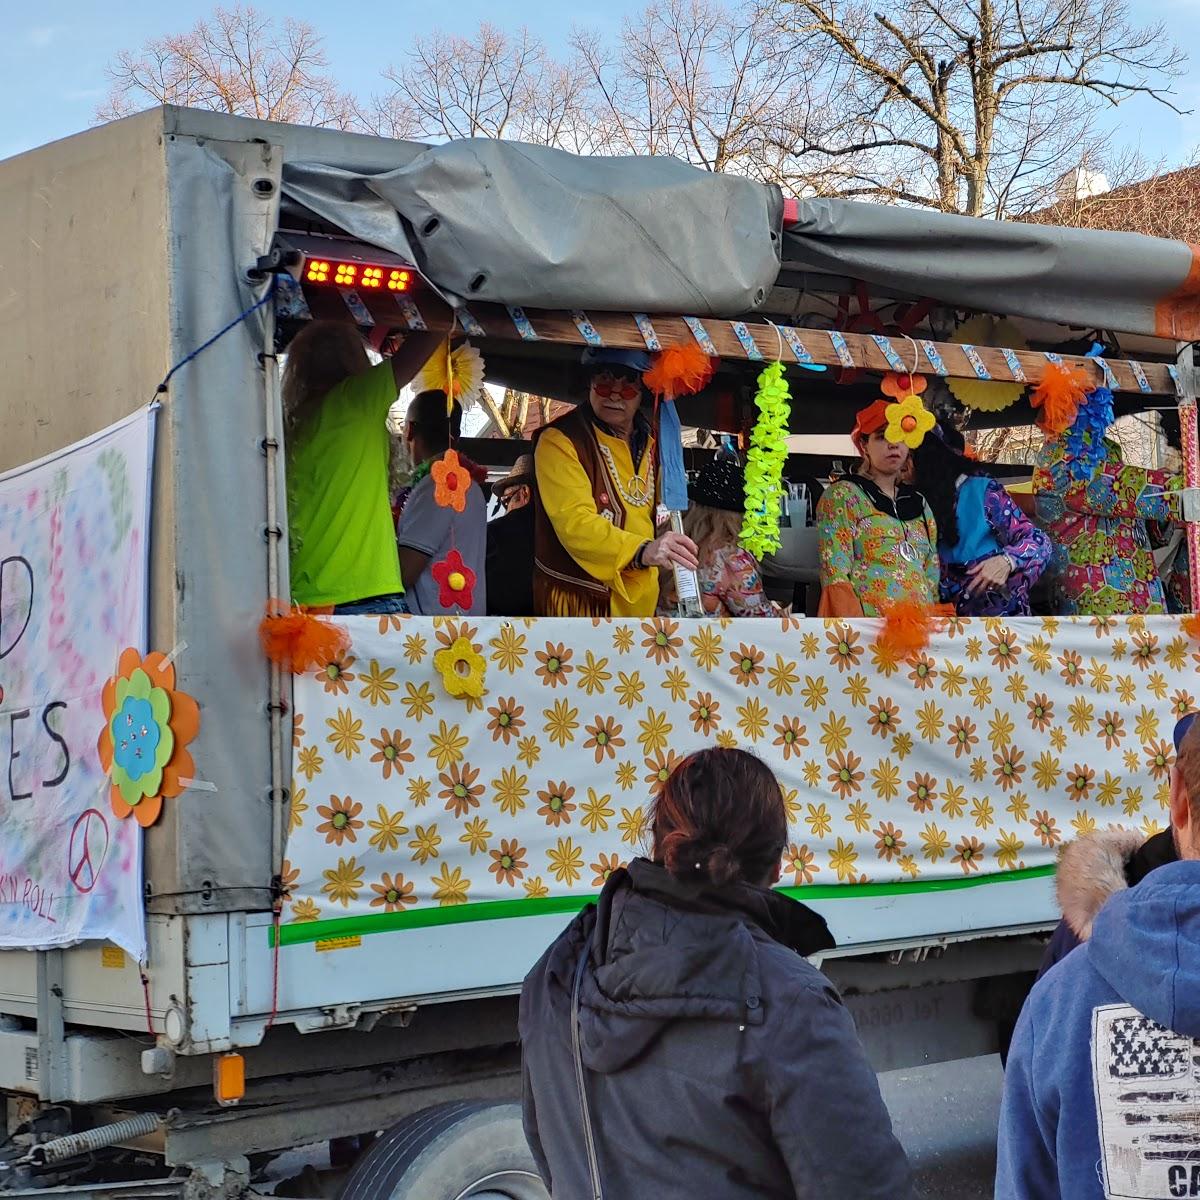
146,998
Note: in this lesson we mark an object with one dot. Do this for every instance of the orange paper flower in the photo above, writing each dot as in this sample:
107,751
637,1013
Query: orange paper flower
292,637
679,371
908,624
451,481
1059,395
147,725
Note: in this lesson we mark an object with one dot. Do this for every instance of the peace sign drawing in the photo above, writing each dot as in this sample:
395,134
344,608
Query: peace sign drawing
87,850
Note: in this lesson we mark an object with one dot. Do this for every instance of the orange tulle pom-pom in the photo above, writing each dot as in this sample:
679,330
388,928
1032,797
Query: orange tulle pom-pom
1059,395
1191,626
907,626
679,371
295,639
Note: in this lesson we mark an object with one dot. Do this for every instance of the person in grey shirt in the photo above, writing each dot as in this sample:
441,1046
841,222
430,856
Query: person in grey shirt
426,531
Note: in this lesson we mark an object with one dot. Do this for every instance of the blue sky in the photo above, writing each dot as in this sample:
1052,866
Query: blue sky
53,55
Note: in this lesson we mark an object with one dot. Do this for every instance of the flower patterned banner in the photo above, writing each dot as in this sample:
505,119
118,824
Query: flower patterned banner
976,757
73,557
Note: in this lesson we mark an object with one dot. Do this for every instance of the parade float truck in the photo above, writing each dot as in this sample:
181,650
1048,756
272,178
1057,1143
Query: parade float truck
244,910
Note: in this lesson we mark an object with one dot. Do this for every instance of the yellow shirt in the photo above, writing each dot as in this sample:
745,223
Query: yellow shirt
596,544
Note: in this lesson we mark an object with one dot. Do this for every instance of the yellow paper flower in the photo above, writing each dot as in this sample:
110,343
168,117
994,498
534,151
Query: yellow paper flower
908,421
462,669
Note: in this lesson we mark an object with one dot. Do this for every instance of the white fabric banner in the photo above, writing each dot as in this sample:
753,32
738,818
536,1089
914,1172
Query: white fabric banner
74,529
971,761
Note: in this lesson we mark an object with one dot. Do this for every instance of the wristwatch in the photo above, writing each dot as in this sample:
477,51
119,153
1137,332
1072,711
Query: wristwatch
639,563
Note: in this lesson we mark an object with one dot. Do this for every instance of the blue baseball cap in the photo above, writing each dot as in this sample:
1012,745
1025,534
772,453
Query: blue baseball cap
1181,729
629,360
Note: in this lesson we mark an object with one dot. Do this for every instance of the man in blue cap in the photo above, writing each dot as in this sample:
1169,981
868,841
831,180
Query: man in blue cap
1102,1091
595,549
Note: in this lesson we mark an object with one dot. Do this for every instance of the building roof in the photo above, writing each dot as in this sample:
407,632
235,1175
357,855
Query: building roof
1165,206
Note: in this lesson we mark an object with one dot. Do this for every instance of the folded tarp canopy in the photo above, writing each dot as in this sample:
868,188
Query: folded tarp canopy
524,225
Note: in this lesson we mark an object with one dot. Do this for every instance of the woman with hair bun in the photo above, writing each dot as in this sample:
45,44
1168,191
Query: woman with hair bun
677,1043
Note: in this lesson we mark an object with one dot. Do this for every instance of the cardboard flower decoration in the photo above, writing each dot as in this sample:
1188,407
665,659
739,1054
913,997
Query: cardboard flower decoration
908,422
451,482
455,580
147,725
462,669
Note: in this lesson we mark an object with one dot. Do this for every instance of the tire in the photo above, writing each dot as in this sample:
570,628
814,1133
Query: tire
451,1152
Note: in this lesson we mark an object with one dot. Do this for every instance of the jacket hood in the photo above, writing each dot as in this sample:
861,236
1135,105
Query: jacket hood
665,951
1091,870
1146,945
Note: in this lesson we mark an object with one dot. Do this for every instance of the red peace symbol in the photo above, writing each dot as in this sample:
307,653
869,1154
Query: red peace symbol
87,850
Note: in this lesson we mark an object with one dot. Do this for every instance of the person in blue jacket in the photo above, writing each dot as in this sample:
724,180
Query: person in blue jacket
1102,1091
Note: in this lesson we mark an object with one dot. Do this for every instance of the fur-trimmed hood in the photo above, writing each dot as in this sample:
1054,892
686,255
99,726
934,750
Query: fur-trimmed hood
1090,871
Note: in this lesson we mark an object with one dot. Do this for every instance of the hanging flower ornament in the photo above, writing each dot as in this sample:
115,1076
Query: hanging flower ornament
147,725
451,482
462,669
455,580
679,371
908,421
764,463
459,373
900,386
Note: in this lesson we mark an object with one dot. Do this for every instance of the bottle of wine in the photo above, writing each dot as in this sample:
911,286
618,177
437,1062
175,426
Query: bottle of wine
687,584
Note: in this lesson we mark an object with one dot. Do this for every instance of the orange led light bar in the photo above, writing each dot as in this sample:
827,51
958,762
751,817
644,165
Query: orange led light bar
367,276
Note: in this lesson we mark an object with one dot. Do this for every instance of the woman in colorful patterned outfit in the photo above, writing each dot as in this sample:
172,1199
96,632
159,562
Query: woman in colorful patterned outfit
876,536
991,553
730,579
1102,563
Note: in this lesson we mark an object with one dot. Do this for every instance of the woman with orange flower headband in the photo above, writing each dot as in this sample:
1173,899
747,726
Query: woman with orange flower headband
876,536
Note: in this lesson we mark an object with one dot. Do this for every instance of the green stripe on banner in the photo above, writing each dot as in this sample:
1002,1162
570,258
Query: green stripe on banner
499,910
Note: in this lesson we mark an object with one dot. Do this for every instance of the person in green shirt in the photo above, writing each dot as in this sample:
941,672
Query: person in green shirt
335,405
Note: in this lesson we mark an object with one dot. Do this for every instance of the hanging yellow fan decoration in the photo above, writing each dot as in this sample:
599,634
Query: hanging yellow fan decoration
980,394
458,373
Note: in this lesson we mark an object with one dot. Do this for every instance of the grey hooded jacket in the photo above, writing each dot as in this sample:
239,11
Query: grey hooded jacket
709,1059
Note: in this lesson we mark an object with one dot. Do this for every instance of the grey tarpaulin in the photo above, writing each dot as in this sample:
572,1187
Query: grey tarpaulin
526,225
1079,277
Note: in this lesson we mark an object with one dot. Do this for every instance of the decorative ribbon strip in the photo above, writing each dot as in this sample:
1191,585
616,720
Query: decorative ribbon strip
1174,374
587,330
1139,374
701,336
842,349
889,352
1014,365
646,329
743,334
471,327
1110,380
798,348
411,314
523,325
358,310
935,359
976,362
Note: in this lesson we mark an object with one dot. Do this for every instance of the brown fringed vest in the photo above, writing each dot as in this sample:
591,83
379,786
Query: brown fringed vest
561,588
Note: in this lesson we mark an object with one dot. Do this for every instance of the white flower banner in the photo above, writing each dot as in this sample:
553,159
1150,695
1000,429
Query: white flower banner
975,757
73,562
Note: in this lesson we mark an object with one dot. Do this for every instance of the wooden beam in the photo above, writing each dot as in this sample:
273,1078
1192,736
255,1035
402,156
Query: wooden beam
621,331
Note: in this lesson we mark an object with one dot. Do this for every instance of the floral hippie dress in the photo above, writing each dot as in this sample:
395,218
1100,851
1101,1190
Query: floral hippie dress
989,523
885,550
1102,564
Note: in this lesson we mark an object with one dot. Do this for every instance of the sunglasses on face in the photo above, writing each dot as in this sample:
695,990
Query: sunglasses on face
607,386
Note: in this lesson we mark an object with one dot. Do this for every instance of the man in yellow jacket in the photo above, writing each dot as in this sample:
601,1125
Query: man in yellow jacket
595,550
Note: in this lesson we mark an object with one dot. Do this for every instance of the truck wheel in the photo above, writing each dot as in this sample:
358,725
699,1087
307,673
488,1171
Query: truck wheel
460,1151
